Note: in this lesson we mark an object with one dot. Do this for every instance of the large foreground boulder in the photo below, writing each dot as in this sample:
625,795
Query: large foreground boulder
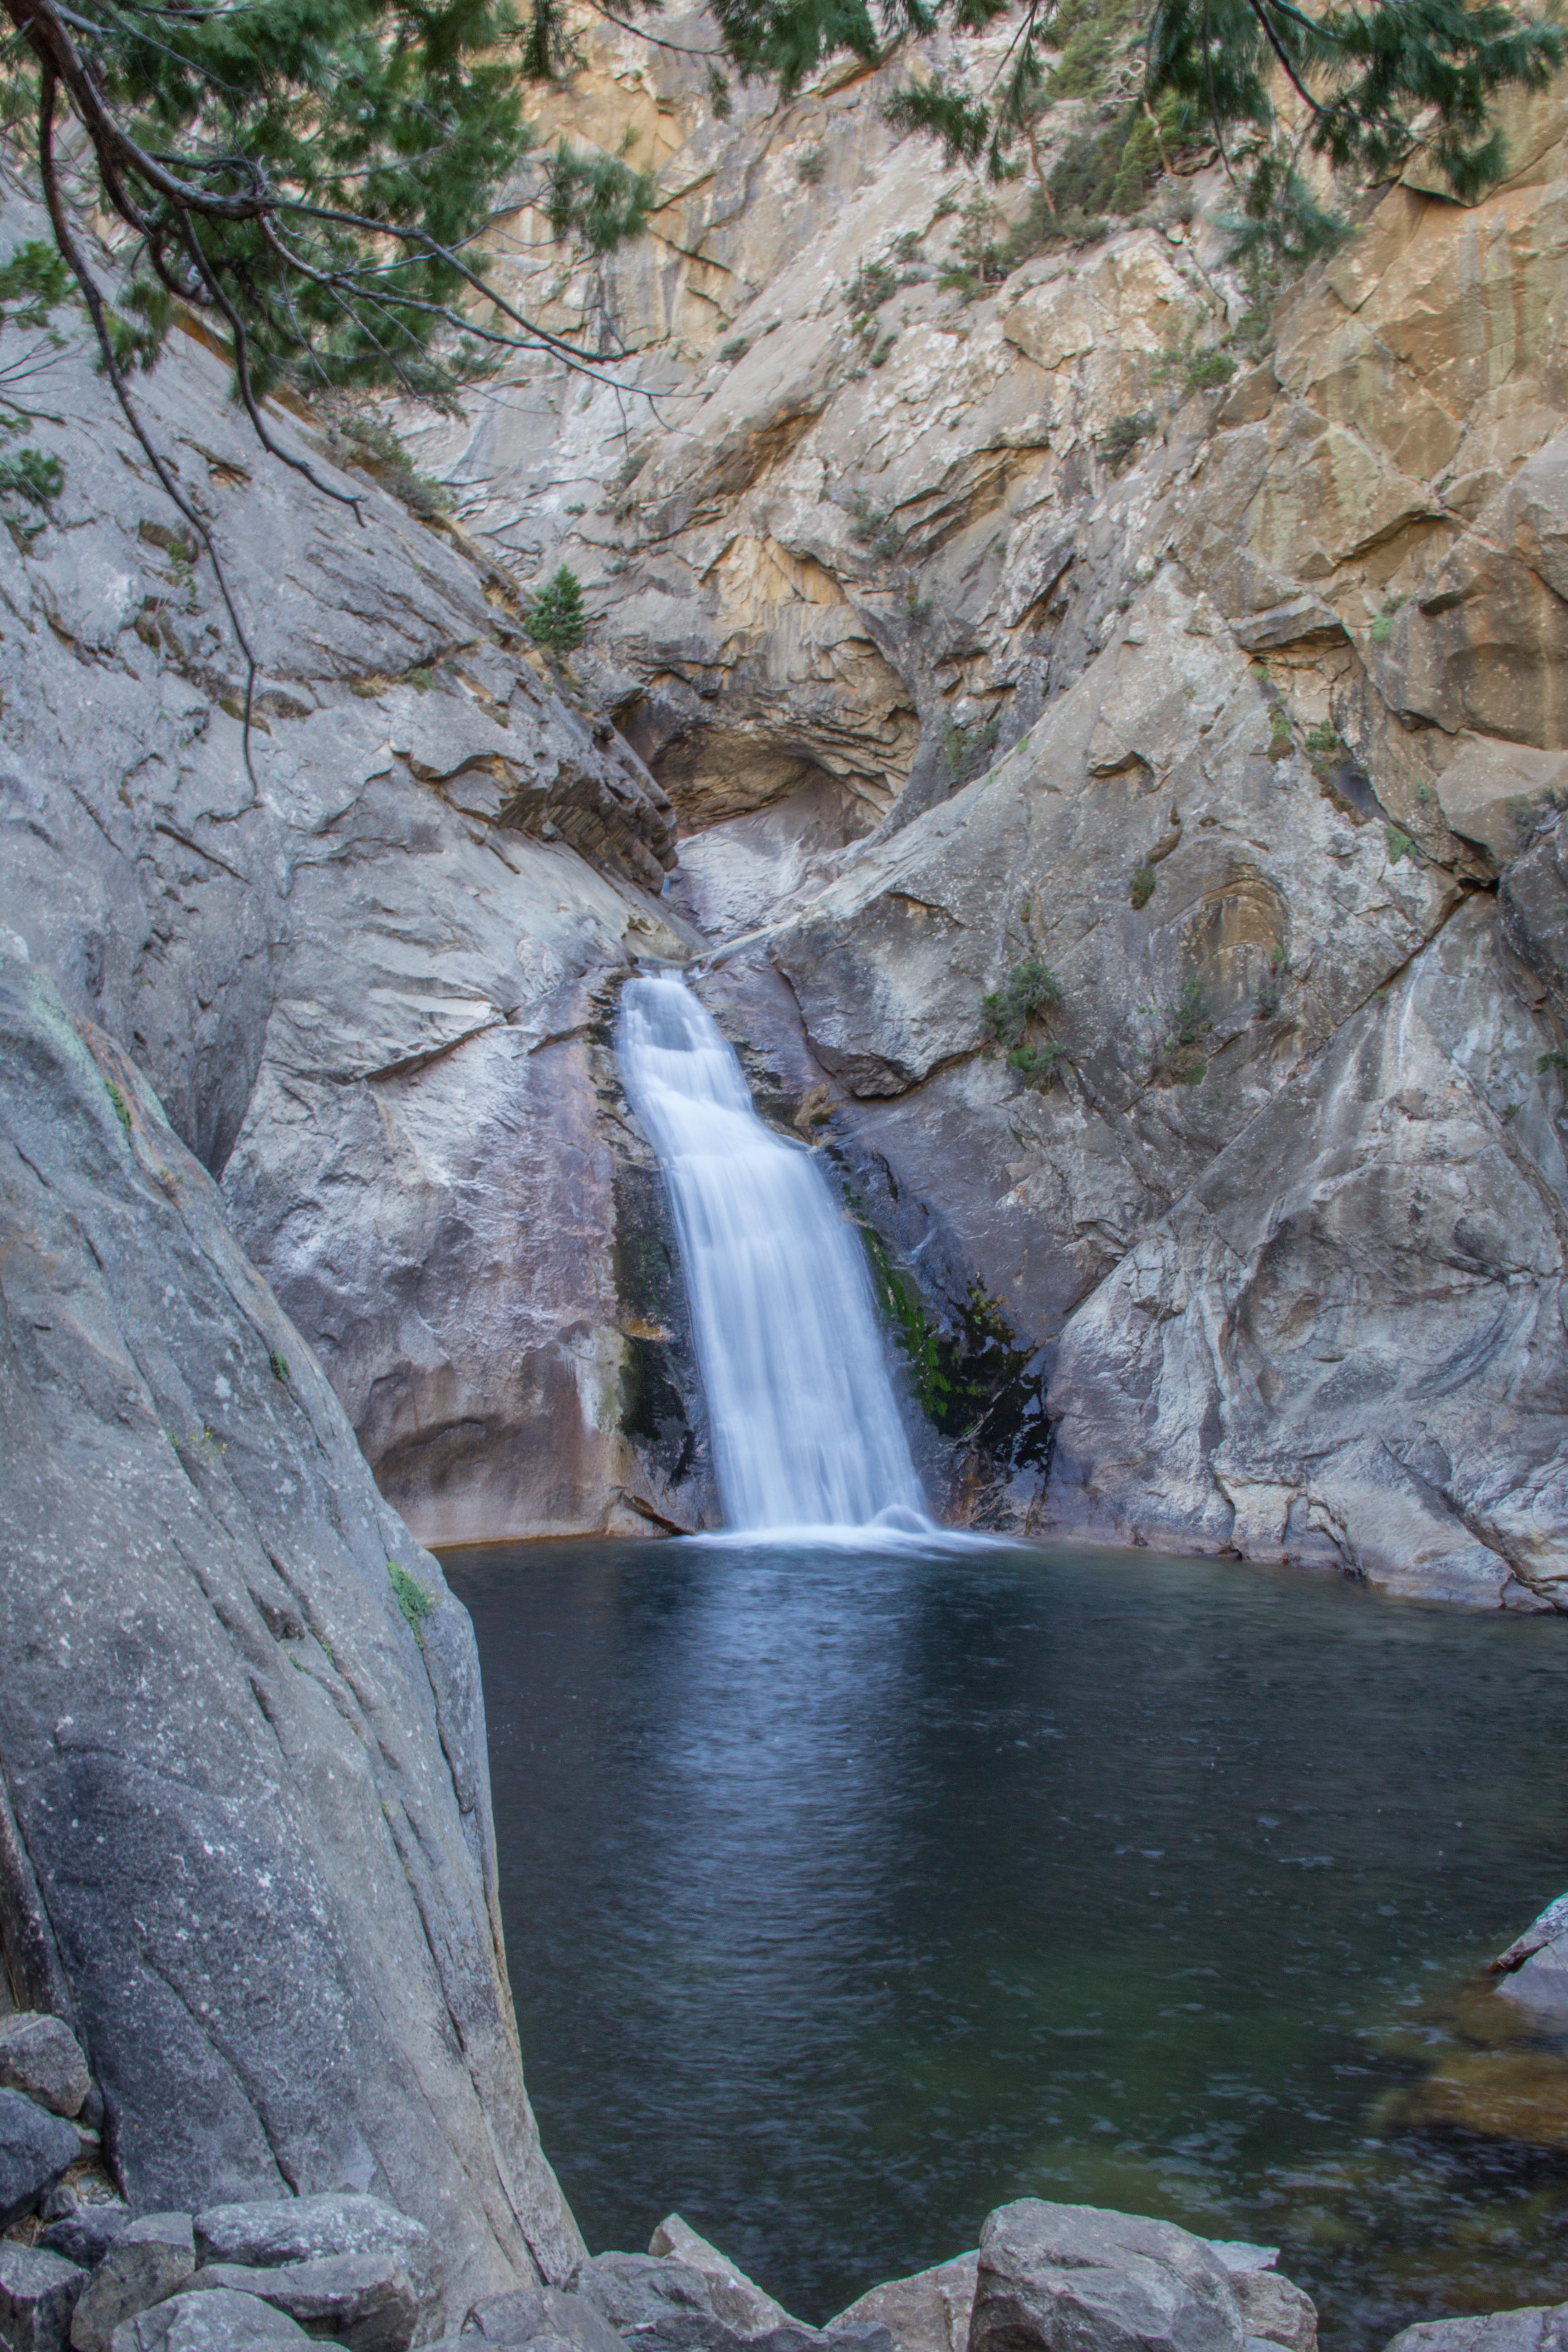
152,2256
737,2299
248,1854
1071,2278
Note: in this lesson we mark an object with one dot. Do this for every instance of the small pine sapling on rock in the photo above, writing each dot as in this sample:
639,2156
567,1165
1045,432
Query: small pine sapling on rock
556,621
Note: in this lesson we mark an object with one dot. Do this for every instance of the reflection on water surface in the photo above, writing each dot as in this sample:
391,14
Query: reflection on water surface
848,1895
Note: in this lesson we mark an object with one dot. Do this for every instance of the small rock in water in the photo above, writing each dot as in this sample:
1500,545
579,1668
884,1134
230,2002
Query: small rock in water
218,2322
35,2148
366,2301
150,2258
929,2312
1534,1969
40,2056
38,2292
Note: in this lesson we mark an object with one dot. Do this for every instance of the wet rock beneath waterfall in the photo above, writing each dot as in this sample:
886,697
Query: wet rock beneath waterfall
929,2312
40,2056
1538,2328
1071,2278
35,2148
38,2292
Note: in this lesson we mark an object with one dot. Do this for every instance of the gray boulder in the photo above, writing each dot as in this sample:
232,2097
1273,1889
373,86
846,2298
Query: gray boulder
147,2261
35,2148
531,2314
1071,2278
366,2301
737,2300
39,2292
85,2234
221,2322
1538,2328
185,1517
928,2312
652,2301
667,2305
1273,2308
40,2056
314,2230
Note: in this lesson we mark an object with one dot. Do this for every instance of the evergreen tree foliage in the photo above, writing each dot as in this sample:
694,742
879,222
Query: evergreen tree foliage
1366,83
316,177
597,198
556,621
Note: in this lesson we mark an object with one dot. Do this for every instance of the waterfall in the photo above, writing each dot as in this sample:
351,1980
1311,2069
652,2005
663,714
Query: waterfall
805,1425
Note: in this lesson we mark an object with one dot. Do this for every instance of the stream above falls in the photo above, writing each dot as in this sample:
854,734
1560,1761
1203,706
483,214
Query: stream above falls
850,1893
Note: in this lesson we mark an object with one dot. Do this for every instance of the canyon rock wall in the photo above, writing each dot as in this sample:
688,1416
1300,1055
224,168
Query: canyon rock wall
366,974
339,992
973,616
246,1846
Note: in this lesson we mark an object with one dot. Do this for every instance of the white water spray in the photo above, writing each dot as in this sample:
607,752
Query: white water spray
806,1427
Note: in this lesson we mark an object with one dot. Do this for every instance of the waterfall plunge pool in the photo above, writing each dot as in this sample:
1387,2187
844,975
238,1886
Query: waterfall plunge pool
850,1892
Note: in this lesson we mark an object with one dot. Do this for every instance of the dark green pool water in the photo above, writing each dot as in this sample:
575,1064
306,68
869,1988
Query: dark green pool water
848,1895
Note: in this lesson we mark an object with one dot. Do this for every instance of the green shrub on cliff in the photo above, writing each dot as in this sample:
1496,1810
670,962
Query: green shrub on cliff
556,621
411,1598
1030,992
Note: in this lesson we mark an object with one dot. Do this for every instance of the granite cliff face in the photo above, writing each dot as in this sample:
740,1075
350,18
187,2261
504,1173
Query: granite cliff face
362,977
980,623
246,1848
244,1834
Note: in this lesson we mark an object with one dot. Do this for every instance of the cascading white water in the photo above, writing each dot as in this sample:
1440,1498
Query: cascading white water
806,1427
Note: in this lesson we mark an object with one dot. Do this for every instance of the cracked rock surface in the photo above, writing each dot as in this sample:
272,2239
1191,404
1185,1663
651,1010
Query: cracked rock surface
247,1840
968,626
364,976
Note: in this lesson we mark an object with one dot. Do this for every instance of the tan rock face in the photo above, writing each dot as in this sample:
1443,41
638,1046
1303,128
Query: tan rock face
964,636
954,631
1495,794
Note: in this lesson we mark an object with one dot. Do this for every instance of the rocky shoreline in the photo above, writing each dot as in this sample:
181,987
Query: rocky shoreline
83,2269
